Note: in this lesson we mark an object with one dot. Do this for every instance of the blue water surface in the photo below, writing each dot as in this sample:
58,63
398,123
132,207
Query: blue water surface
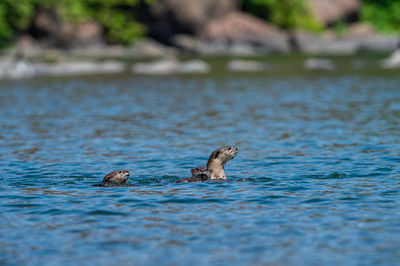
316,180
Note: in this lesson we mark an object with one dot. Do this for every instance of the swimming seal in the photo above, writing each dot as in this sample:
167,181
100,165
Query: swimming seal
115,178
218,159
215,166
199,174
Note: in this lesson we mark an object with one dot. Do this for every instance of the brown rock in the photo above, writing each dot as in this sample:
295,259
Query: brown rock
44,23
150,48
329,43
87,33
330,11
361,29
332,44
48,28
170,17
243,28
27,46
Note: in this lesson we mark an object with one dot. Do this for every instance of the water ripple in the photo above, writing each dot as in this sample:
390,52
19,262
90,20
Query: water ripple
316,181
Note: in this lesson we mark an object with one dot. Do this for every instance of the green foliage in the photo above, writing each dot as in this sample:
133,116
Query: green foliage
288,14
118,17
383,14
340,28
15,15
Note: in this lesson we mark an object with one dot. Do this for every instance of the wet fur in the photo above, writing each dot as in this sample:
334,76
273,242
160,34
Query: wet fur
215,166
199,174
115,178
218,159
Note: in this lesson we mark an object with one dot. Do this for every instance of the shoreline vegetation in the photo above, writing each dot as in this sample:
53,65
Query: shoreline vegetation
70,36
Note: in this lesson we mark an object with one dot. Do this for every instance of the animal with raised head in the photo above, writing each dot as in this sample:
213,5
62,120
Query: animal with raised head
215,168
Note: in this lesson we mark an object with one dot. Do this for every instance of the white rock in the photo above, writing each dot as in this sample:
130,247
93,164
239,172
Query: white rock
393,61
16,69
78,68
194,66
171,66
318,64
246,66
151,48
158,67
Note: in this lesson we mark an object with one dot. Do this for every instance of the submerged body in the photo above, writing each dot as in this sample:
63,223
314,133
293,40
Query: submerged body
115,178
215,166
199,174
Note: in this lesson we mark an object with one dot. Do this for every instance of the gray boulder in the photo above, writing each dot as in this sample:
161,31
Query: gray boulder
241,28
150,48
323,44
329,43
166,18
246,66
15,69
157,67
318,64
330,11
393,61
78,68
377,43
188,43
171,66
26,46
194,66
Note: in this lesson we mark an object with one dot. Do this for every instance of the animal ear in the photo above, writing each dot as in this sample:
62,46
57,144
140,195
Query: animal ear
216,154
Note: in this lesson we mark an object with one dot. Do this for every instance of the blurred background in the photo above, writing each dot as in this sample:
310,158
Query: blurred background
53,31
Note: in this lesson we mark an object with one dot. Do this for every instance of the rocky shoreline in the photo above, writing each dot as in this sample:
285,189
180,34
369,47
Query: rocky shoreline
256,37
188,29
12,67
148,57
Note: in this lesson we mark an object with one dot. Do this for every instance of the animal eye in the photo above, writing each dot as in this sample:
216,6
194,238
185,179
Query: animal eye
119,172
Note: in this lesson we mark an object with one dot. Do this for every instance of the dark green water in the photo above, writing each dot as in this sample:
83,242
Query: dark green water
316,180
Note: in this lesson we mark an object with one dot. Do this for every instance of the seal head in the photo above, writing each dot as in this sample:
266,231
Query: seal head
218,159
215,166
115,178
199,174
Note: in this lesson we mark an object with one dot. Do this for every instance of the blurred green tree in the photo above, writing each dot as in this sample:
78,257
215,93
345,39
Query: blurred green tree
118,17
383,14
15,15
288,14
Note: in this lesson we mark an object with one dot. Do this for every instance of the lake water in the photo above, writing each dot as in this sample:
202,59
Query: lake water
316,180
